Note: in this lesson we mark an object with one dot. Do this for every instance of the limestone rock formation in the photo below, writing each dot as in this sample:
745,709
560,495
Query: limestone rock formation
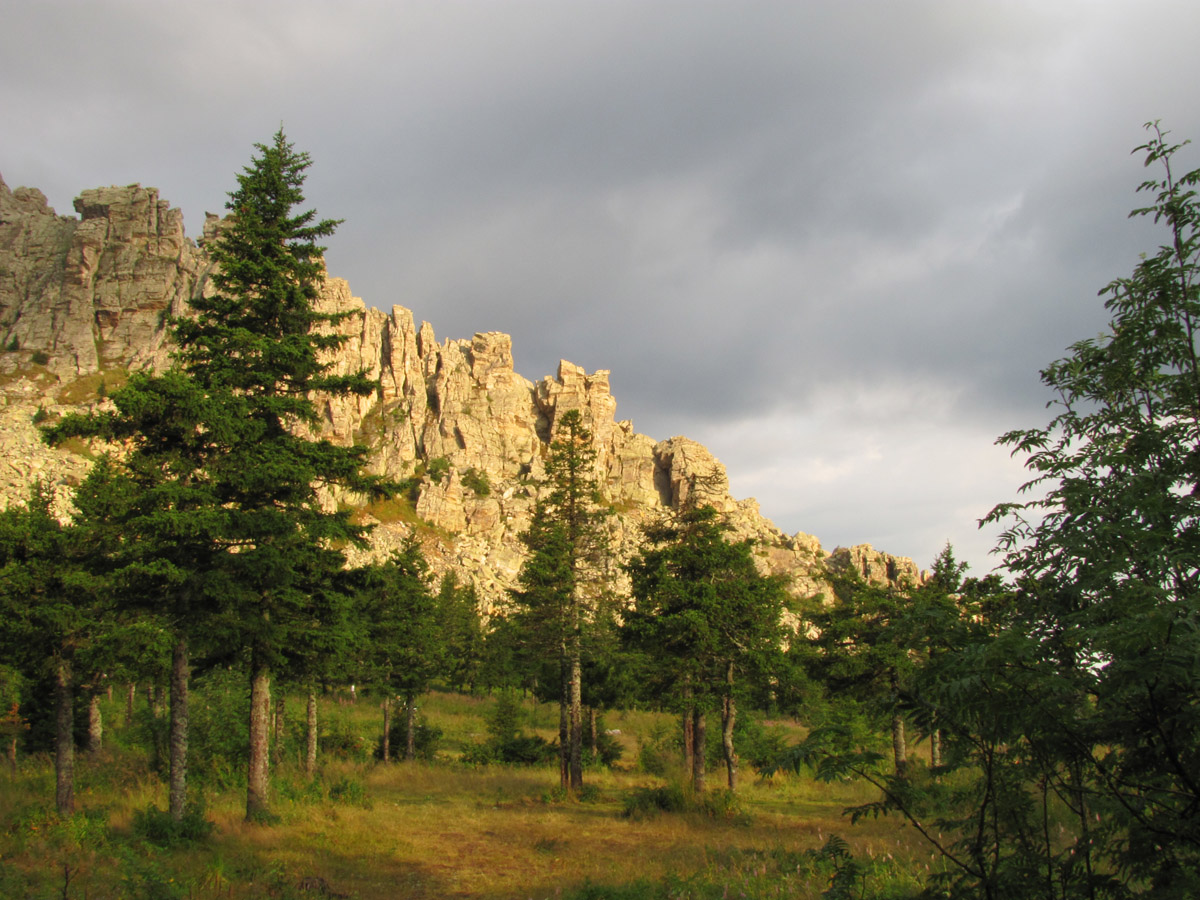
83,300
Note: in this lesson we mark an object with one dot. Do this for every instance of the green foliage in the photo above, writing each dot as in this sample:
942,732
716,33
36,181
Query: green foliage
40,357
476,481
13,345
340,740
404,647
646,802
705,621
427,738
462,632
438,469
1106,560
350,791
1066,703
650,801
507,741
564,608
158,827
506,718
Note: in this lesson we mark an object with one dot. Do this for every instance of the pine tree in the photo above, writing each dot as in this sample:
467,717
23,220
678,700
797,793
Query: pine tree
256,345
562,593
405,645
56,621
707,618
229,538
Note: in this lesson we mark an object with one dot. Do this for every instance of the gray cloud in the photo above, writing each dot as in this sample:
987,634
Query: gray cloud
834,241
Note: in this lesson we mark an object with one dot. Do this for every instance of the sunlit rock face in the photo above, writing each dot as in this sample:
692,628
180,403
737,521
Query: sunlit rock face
85,299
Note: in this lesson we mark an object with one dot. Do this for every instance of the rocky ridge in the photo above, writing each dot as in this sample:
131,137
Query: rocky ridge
83,300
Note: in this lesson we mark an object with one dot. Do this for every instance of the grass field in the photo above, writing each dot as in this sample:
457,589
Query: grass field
366,830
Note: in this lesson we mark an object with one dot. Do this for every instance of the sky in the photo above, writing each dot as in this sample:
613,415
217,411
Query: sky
835,242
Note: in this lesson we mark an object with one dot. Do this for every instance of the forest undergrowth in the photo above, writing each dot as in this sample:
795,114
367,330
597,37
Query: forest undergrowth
436,827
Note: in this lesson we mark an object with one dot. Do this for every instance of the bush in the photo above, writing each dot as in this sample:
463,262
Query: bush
351,791
40,357
477,481
508,743
661,750
426,739
672,798
437,469
608,749
155,826
645,802
340,741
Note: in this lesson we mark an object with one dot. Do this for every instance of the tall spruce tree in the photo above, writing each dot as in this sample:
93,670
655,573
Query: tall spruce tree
229,538
256,343
562,591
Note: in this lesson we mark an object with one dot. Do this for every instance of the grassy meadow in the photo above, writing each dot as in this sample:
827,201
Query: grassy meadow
435,828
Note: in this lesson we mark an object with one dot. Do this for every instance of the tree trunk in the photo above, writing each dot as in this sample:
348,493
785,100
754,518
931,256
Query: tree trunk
280,721
95,725
698,739
576,724
410,727
12,755
258,805
592,729
935,748
564,722
64,740
177,791
899,745
129,694
387,728
310,755
150,696
688,734
728,716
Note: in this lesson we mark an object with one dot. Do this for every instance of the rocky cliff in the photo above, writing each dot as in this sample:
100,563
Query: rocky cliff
85,299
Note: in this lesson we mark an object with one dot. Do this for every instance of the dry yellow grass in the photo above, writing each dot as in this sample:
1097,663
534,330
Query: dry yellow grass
421,830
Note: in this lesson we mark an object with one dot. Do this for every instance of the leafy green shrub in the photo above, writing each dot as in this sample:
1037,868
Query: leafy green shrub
155,826
477,481
40,357
40,415
507,742
645,802
608,749
351,791
721,805
437,469
13,346
340,741
660,750
756,744
219,728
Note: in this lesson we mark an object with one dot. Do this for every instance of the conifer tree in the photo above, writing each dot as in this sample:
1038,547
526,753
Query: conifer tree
56,621
256,345
707,618
405,644
562,593
230,538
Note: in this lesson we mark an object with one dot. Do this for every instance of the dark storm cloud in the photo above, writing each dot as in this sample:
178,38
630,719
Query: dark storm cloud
834,241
